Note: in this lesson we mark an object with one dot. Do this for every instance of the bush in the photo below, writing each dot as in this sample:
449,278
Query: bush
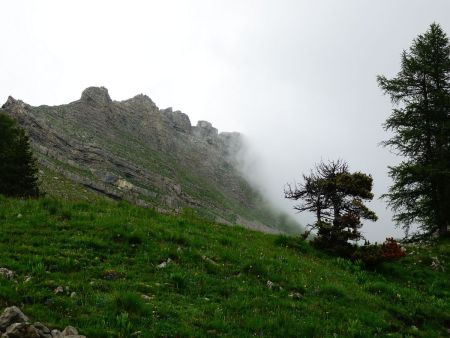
373,255
391,250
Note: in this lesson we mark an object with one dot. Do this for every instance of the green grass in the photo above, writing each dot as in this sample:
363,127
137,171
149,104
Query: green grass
219,281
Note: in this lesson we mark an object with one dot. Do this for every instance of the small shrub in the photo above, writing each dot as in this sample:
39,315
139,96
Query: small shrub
390,250
374,255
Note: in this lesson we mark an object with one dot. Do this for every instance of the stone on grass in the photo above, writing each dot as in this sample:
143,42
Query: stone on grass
21,330
6,273
69,330
10,316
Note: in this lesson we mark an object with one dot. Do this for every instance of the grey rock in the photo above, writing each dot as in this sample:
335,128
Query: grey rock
55,333
42,327
10,316
43,331
58,289
69,330
151,157
96,96
179,121
21,330
205,130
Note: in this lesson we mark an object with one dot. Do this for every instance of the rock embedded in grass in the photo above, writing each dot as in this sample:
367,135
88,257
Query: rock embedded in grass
11,315
15,324
6,273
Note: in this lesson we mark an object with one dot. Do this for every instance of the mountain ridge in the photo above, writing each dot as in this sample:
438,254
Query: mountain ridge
133,150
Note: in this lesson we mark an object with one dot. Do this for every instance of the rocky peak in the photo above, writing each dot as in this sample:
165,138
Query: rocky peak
16,108
206,130
96,96
12,102
179,120
139,105
143,101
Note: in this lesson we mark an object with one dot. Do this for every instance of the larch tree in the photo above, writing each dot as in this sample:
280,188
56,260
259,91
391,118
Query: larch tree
420,122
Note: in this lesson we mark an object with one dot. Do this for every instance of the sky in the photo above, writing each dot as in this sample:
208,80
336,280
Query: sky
297,78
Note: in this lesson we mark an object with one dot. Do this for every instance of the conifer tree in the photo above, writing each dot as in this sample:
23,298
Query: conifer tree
336,196
18,171
420,122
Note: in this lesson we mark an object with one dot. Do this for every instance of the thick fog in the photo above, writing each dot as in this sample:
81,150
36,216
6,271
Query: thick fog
296,77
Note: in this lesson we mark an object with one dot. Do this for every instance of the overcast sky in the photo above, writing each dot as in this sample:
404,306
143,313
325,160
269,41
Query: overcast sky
296,77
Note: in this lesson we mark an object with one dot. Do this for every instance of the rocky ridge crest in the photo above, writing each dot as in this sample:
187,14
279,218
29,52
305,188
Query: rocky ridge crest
135,151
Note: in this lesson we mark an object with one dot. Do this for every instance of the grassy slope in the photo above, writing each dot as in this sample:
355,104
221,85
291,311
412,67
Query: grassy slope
216,284
215,200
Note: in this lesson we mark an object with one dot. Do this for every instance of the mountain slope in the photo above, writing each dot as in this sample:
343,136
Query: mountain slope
124,269
135,151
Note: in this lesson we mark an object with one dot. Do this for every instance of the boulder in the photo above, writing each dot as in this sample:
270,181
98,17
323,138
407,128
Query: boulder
21,330
43,331
10,316
69,331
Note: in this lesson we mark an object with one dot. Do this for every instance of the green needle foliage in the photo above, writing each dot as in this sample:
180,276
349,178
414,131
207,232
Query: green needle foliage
420,121
336,196
18,171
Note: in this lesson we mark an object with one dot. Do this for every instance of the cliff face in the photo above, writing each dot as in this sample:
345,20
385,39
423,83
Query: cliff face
135,151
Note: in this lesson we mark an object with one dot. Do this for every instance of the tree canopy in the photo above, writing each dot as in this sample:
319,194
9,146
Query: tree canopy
18,172
336,197
420,122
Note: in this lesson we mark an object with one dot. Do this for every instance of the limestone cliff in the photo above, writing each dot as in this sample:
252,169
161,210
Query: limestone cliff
135,151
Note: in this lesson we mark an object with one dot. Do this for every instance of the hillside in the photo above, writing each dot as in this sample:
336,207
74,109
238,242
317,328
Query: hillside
124,269
133,150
